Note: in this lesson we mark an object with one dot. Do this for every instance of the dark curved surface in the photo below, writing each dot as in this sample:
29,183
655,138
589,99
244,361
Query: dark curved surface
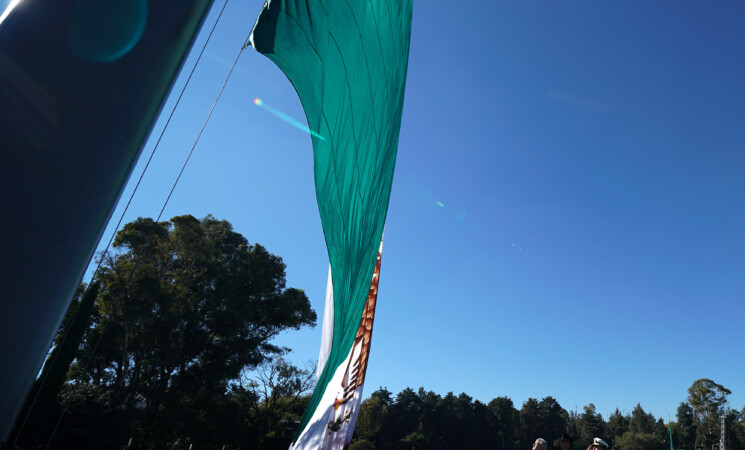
79,91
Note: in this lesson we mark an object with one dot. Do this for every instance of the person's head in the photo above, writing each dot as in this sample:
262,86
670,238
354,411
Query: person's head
565,441
540,444
598,444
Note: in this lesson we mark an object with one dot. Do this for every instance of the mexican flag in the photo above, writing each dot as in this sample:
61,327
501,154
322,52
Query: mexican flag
347,61
332,423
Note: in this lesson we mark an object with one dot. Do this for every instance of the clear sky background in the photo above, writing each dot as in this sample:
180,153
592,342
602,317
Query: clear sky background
589,156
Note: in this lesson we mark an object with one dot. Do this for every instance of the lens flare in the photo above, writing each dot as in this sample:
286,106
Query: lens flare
288,119
9,9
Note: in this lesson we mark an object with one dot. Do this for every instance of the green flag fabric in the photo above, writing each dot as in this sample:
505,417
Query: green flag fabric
347,60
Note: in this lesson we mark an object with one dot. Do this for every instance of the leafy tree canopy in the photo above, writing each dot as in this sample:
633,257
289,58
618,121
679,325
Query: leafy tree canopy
632,440
185,307
707,398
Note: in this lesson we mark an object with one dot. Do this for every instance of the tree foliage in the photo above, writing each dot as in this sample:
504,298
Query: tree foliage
178,352
504,420
277,393
426,420
590,424
552,417
617,425
185,308
634,440
708,401
686,425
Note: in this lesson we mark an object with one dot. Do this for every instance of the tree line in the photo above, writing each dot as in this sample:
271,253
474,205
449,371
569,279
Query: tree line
425,420
170,347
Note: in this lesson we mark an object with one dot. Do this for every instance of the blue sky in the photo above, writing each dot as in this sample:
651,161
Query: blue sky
589,158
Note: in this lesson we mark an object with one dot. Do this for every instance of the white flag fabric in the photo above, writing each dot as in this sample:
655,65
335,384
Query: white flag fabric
327,332
332,423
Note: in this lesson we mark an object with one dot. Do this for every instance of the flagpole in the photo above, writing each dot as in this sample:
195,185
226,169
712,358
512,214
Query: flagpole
670,427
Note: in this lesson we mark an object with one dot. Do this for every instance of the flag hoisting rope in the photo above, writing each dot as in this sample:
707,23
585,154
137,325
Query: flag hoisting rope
347,62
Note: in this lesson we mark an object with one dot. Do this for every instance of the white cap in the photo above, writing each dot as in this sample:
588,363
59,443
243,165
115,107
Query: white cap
597,442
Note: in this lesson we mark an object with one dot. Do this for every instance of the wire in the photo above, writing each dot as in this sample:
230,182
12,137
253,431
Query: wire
188,157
